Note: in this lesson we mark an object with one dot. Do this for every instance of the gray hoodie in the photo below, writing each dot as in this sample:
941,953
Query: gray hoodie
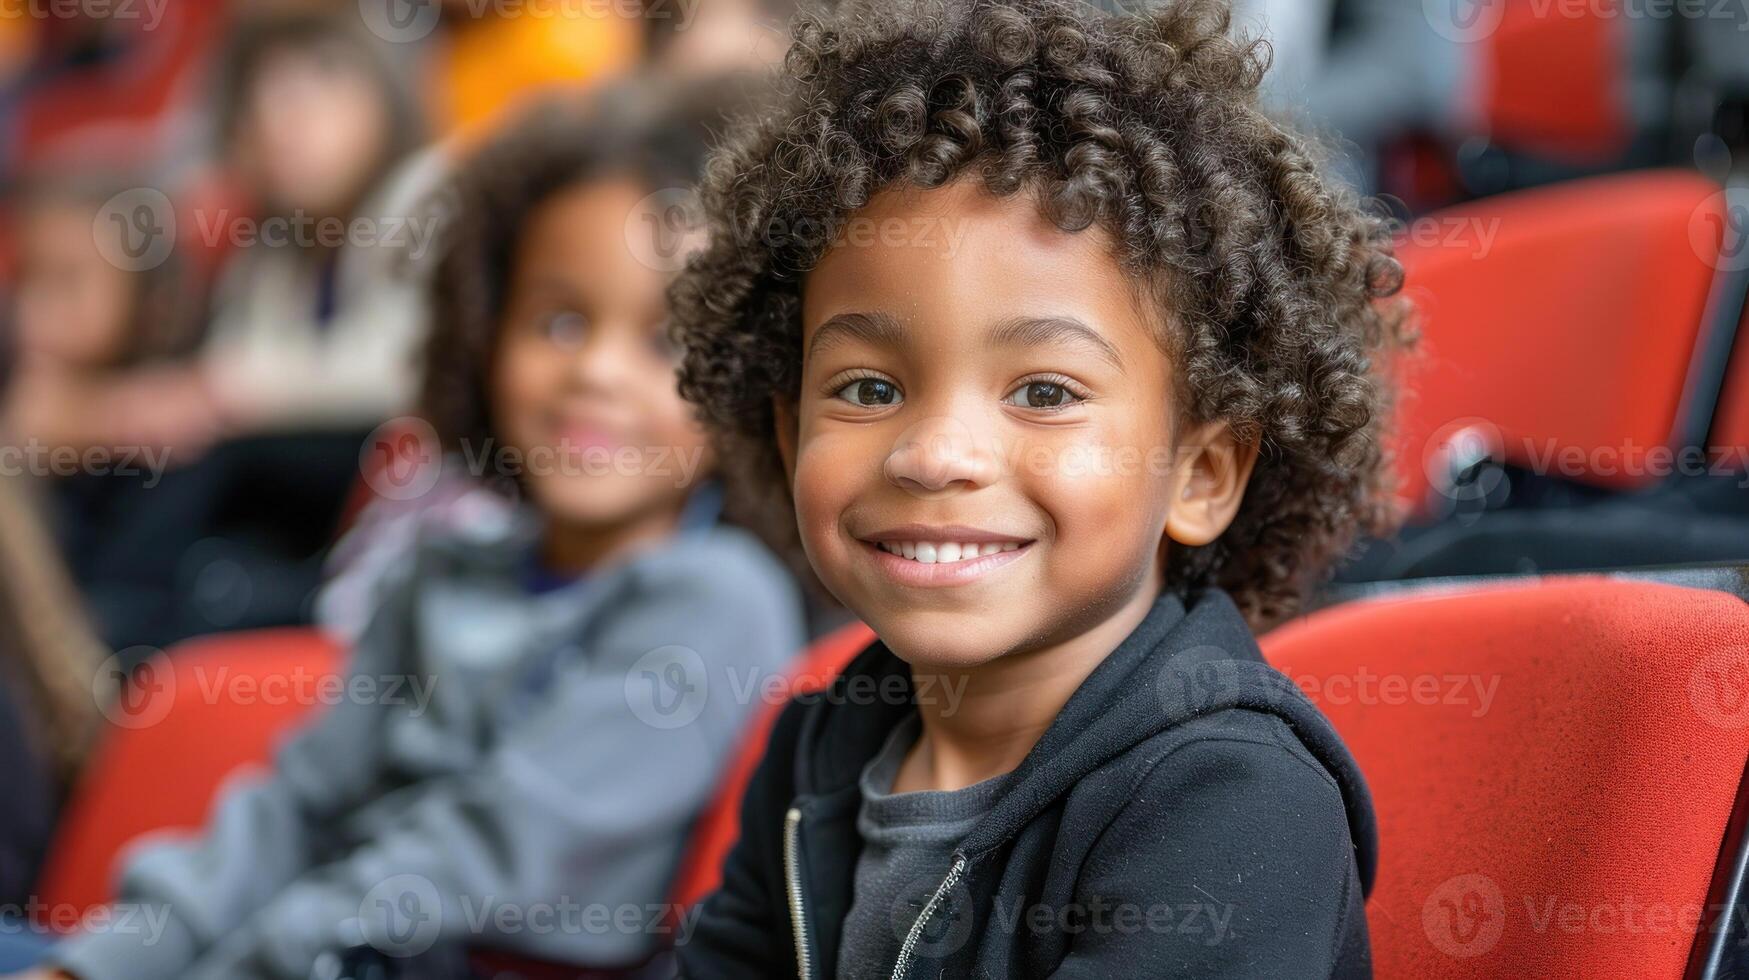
508,767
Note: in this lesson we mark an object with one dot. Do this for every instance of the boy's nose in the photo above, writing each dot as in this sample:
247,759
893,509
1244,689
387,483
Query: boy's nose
939,453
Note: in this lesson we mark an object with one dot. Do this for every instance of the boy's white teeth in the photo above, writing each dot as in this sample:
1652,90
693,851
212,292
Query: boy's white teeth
944,552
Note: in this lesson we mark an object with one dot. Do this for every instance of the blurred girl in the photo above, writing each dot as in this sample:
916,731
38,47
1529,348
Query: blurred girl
317,315
99,351
585,662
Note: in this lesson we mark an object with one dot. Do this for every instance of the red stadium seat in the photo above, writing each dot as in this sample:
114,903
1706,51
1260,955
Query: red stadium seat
1556,321
128,108
1550,79
720,824
1554,764
197,714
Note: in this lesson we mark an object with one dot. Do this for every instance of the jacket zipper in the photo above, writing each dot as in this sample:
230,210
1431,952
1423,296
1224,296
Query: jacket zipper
792,869
909,949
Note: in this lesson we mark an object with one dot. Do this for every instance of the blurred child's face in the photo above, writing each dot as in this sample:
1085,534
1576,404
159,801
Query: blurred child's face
984,394
313,130
583,381
73,305
724,36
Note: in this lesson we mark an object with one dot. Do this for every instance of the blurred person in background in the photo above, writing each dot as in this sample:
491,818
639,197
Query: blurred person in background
245,448
100,352
318,312
715,38
547,760
49,662
100,375
169,525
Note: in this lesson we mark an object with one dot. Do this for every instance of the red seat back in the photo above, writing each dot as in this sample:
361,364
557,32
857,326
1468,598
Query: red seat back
193,716
1568,823
1563,319
1551,78
720,824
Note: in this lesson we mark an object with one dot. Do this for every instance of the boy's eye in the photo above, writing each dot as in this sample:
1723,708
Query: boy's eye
1042,394
567,328
871,393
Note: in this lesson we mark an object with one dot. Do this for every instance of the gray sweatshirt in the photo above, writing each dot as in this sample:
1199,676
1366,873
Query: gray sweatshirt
508,768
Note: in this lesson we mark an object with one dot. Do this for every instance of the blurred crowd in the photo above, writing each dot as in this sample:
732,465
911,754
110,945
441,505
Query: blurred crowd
223,222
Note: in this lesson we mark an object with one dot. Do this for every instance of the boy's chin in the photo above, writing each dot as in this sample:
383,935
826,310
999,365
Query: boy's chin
943,641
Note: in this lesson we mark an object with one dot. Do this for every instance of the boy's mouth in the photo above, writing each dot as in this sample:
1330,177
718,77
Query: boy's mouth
943,552
919,555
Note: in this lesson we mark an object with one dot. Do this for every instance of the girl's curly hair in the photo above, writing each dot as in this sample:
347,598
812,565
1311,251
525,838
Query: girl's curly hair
1273,280
654,132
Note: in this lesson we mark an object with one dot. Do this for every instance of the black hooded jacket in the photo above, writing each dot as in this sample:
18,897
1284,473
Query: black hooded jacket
1188,814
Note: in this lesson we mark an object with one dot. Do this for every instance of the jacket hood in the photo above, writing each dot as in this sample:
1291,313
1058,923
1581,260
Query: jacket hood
1188,659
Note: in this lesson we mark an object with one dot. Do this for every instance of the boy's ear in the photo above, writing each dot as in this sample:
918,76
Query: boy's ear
1209,484
783,414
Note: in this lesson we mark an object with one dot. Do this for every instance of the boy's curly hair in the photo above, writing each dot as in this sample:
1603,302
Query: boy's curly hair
650,131
1145,123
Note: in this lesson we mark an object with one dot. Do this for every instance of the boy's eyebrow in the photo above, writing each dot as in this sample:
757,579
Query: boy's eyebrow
1039,331
875,329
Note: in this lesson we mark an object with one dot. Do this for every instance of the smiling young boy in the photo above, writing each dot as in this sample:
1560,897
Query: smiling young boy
1066,455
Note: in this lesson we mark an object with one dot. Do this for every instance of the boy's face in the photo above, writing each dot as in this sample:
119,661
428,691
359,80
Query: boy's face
975,377
583,383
